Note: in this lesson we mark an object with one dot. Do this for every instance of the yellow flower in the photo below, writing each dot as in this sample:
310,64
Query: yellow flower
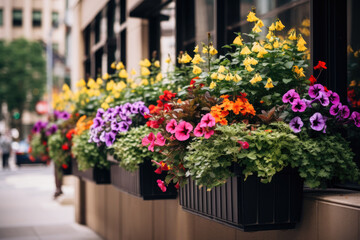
237,78
196,49
250,60
268,46
269,83
276,44
196,70
279,26
352,83
119,66
356,54
221,76
272,27
256,47
213,76
157,63
212,85
251,17
260,23
105,105
305,31
106,76
145,63
204,50
65,88
185,58
349,49
129,80
238,41
262,52
301,44
109,99
110,85
213,51
168,60
256,29
133,72
113,65
144,82
245,51
144,71
123,74
255,79
221,69
292,35
197,59
229,77
249,68
269,35
159,77
91,83
133,85
306,22
299,71
99,81
81,83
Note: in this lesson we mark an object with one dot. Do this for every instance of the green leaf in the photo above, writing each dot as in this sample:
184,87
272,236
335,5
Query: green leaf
289,65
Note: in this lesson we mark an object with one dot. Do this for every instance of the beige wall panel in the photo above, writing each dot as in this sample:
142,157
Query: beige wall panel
2,32
37,33
37,4
131,4
338,222
112,213
136,218
90,210
17,32
17,3
100,209
89,9
210,230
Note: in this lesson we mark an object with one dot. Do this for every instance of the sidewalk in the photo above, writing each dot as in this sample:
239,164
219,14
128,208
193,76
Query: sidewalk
28,211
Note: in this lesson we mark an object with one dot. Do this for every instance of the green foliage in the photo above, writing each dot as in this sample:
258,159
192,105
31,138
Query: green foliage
22,74
38,149
128,150
87,154
271,148
56,153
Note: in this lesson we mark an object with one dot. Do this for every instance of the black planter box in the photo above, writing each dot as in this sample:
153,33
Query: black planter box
141,183
249,205
68,170
96,175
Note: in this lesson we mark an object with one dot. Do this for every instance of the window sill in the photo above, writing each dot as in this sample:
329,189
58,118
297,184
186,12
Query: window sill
342,197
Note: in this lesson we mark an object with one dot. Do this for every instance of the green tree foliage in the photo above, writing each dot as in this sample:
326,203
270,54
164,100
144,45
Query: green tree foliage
22,74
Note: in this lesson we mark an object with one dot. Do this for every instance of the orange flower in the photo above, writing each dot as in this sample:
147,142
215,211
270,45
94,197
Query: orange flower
224,121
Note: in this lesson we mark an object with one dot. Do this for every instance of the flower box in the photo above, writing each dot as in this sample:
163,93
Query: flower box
249,205
96,175
141,183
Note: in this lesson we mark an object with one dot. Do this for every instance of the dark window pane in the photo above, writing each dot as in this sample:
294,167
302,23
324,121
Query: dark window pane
204,19
98,62
97,27
55,19
1,17
17,18
110,18
87,41
36,18
123,46
122,11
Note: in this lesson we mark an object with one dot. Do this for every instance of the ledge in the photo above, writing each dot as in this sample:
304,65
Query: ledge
343,197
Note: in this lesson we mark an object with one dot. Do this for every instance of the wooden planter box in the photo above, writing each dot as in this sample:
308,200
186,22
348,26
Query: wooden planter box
141,183
96,175
249,205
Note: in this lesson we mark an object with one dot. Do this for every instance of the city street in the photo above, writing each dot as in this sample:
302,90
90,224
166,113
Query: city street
27,208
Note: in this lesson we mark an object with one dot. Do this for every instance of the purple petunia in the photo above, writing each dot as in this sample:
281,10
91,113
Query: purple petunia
51,130
100,112
97,122
333,97
115,126
123,126
290,96
344,112
110,138
355,116
335,109
298,105
317,121
144,110
295,124
323,98
315,90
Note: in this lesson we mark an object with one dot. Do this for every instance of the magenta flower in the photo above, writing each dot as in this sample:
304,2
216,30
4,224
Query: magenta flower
307,102
123,126
317,121
323,98
314,90
298,105
160,140
290,96
199,131
161,185
295,124
208,133
335,109
344,112
110,138
333,97
150,139
171,126
355,116
183,130
207,121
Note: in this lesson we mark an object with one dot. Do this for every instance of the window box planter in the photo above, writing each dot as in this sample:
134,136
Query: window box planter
96,175
249,205
141,183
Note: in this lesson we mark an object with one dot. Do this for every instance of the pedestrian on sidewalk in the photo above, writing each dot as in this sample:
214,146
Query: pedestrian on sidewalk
5,147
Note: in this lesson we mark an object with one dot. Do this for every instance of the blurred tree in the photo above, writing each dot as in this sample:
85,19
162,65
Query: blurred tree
22,75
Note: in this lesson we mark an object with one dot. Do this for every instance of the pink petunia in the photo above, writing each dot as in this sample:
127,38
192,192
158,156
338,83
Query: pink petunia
183,130
208,133
160,140
161,185
150,139
171,126
198,131
207,121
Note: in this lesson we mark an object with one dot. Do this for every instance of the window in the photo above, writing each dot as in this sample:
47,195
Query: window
97,27
55,47
167,35
17,18
36,18
204,20
55,19
1,17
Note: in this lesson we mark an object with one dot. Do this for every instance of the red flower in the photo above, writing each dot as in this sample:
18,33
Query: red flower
321,65
160,103
44,143
325,88
147,116
65,147
32,158
154,109
69,134
77,114
177,185
312,80
64,166
30,149
161,167
167,107
168,95
155,123
192,83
